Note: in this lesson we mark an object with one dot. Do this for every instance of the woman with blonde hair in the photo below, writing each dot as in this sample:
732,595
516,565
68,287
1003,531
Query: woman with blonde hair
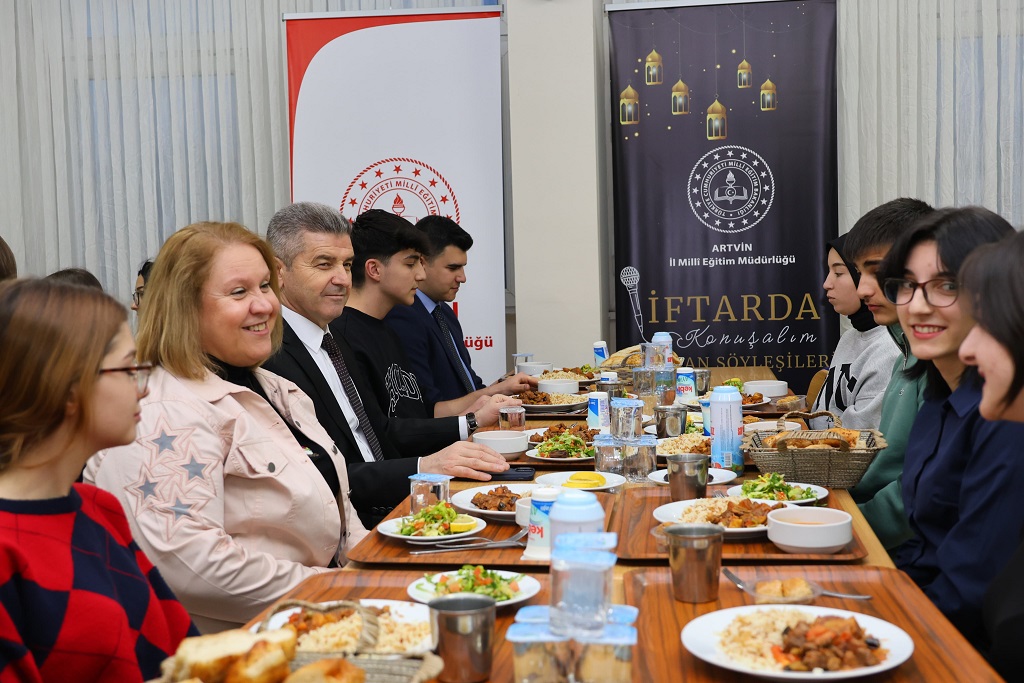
232,486
76,593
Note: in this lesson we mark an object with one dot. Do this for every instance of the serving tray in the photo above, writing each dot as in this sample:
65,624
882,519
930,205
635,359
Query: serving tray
634,520
379,549
940,652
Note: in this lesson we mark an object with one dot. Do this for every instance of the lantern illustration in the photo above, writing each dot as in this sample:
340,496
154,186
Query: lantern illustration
680,98
653,69
744,75
769,98
629,107
716,121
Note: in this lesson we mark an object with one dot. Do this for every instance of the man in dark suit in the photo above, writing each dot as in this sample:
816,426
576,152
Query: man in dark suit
314,251
428,329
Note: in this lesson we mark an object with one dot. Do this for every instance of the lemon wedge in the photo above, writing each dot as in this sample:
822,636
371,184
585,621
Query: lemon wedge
462,523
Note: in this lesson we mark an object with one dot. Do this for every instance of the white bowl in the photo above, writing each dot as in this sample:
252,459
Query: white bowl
510,444
535,369
810,529
559,386
523,506
770,388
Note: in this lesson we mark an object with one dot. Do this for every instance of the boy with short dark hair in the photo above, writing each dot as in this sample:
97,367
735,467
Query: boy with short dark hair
879,493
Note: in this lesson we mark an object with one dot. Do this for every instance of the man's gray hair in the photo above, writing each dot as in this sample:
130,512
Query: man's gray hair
288,225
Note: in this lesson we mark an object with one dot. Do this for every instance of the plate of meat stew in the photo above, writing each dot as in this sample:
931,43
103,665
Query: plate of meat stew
496,501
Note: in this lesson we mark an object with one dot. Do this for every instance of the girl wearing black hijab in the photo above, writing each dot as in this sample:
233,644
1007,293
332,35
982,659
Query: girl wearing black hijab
863,360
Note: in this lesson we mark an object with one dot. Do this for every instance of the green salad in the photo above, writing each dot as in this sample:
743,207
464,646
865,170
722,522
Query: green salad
565,446
772,486
431,521
734,382
476,579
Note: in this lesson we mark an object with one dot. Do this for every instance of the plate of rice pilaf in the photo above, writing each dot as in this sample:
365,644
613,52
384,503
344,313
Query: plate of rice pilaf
404,628
708,510
742,639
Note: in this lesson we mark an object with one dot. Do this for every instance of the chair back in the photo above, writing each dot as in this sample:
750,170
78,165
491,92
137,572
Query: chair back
814,388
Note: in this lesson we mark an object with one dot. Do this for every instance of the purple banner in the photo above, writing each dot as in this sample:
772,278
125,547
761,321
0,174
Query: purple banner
724,147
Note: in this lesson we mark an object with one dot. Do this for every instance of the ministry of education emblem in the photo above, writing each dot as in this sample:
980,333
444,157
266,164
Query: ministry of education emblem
406,187
730,189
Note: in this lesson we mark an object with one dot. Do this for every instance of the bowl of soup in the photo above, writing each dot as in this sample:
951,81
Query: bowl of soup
810,530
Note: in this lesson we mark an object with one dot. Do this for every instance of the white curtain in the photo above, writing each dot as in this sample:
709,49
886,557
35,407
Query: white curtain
124,120
931,104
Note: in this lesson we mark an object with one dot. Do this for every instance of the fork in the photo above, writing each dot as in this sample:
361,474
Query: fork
849,596
718,494
473,543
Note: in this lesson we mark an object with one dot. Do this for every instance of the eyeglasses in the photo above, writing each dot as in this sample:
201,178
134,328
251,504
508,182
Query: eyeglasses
138,372
137,297
939,293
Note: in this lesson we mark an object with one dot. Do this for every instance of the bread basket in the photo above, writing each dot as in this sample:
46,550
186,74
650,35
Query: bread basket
380,668
838,467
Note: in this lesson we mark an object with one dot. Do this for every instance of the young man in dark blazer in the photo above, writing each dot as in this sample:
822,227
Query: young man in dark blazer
314,253
428,329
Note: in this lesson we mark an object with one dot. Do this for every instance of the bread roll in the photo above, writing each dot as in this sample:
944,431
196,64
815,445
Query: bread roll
328,671
265,662
211,657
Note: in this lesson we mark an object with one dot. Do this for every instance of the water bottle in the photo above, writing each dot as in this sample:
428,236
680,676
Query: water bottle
726,428
665,339
576,512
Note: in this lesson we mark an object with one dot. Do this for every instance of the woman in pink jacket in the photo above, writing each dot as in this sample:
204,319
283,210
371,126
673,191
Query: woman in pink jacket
232,487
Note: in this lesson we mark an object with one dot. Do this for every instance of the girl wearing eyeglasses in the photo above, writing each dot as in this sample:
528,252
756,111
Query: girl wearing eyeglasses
993,284
78,599
960,470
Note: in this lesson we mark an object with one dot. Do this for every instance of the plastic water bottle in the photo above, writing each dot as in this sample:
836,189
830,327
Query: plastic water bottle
665,339
576,512
726,428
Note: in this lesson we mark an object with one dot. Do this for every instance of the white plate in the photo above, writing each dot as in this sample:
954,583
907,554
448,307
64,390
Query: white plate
747,406
819,493
402,611
671,512
463,500
390,527
541,430
702,634
532,453
561,408
715,476
768,426
558,478
422,591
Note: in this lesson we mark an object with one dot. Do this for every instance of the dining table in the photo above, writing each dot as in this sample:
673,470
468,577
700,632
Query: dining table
381,567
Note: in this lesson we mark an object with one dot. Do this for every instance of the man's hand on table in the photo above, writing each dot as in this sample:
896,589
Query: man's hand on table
487,408
466,460
515,384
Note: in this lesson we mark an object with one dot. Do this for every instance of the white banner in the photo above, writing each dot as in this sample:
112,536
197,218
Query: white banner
402,112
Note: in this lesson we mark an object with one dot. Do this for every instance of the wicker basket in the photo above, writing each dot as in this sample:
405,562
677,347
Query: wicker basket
838,468
379,668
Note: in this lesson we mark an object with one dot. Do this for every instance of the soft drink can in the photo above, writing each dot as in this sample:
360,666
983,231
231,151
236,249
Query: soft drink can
600,352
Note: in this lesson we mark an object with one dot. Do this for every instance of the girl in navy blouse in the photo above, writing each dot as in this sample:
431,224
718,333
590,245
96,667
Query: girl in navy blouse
993,281
962,474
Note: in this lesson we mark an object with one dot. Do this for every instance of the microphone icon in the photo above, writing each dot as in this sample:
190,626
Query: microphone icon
630,277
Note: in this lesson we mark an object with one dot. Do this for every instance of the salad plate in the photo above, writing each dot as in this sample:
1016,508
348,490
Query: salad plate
390,528
463,500
423,590
402,611
715,476
763,488
702,637
532,453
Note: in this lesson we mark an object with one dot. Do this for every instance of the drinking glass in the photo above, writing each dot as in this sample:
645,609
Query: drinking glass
512,418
